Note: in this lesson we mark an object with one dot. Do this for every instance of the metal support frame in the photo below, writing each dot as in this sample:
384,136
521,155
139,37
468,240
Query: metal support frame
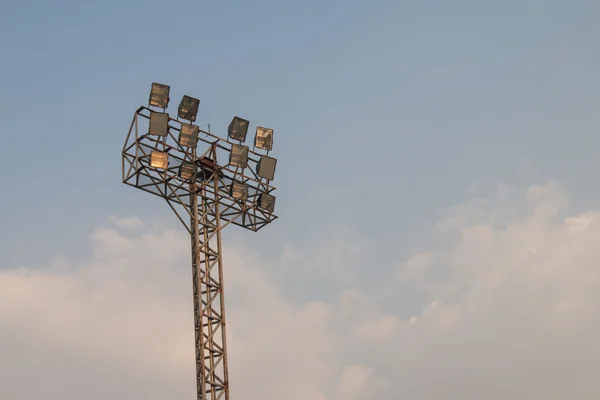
207,205
209,307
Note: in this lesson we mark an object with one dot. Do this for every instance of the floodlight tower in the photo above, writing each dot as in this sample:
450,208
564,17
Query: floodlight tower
222,183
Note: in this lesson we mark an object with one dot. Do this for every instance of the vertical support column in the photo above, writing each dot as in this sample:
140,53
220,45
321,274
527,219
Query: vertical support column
209,311
196,262
219,272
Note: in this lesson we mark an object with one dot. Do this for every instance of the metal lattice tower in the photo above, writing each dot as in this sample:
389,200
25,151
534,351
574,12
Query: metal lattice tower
160,156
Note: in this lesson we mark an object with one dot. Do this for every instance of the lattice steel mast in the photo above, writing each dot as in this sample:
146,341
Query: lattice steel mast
213,195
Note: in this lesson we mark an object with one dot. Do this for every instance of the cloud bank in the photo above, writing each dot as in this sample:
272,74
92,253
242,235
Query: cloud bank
502,302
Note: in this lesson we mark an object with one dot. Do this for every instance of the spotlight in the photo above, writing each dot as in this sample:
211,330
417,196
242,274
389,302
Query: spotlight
239,191
238,128
266,167
188,108
238,156
266,202
188,136
159,124
159,95
188,171
159,159
264,138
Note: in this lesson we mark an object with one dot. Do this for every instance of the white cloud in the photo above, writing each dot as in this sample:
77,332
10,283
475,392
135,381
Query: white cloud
358,382
415,267
500,321
379,330
132,223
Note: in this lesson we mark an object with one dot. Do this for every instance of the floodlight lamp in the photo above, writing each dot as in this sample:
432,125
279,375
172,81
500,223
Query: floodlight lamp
264,138
159,95
188,171
266,167
239,191
159,159
188,108
266,202
238,156
159,124
238,128
188,135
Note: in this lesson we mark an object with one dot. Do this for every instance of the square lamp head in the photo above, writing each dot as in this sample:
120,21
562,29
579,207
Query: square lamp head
188,136
188,171
159,95
238,128
266,167
188,108
239,191
264,138
159,159
266,202
159,124
238,156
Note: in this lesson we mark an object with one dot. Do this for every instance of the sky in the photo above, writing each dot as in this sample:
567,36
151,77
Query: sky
436,192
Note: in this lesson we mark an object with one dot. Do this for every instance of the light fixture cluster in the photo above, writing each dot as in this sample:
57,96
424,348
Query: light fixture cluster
159,97
238,158
188,137
263,140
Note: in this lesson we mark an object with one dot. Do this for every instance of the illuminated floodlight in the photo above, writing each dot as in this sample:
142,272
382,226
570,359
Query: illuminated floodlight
159,124
159,159
239,191
238,128
188,136
266,167
188,108
264,138
159,95
238,156
188,171
266,202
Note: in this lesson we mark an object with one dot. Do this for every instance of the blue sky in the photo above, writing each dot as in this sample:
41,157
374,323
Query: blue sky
385,112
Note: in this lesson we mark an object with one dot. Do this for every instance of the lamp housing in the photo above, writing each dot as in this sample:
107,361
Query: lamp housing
239,191
266,202
188,171
159,95
238,157
263,138
266,167
159,124
188,108
188,135
159,159
238,128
